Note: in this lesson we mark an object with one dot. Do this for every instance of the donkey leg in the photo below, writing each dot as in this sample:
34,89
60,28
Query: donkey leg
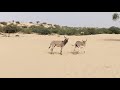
61,50
84,49
74,48
52,49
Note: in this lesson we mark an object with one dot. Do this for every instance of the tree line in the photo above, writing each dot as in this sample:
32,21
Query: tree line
59,30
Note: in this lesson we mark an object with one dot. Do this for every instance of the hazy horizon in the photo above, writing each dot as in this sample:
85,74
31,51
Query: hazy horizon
73,19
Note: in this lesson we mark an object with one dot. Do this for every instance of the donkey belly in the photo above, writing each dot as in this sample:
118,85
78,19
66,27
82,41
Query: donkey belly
58,45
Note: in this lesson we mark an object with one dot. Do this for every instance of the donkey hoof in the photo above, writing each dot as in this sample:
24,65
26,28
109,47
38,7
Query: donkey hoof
51,53
60,53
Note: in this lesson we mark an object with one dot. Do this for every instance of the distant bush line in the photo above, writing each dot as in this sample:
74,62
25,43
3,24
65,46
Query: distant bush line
58,30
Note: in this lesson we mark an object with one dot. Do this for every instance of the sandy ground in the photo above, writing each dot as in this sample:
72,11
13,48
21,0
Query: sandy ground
28,56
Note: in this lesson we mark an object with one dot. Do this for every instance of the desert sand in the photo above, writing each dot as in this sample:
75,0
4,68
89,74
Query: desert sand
28,56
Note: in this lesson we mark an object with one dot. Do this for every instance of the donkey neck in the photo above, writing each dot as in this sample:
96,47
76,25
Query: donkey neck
65,41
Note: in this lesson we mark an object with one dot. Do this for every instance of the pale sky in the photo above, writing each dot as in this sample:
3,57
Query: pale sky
76,19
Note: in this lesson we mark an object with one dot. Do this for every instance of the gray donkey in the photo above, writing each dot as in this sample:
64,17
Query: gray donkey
80,44
60,44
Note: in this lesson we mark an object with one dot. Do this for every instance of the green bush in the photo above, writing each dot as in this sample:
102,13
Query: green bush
101,30
114,30
24,26
54,30
58,30
92,31
44,32
30,22
26,31
106,31
62,32
11,29
17,22
1,29
40,30
71,32
4,23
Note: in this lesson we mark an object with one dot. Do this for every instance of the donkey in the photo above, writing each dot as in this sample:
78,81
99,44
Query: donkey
60,44
80,44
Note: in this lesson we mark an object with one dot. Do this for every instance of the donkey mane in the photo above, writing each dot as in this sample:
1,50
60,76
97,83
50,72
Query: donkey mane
65,41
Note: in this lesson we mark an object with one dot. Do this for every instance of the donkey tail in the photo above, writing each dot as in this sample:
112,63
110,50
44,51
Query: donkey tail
49,46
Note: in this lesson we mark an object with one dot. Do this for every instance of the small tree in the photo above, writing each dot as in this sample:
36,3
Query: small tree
17,22
13,21
37,22
114,30
1,29
11,29
26,31
115,16
3,23
44,23
31,22
56,26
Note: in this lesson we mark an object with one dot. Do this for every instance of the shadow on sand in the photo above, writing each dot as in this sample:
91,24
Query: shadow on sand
76,52
73,52
54,53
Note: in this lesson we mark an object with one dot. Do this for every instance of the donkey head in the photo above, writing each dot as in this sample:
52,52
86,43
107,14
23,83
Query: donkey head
66,40
84,41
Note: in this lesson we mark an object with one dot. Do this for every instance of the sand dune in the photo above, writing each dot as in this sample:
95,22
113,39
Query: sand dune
28,56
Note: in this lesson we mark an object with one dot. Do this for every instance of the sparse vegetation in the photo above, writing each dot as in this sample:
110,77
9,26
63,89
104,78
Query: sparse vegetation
11,29
40,30
31,22
61,31
1,29
26,31
3,23
64,30
17,22
37,22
